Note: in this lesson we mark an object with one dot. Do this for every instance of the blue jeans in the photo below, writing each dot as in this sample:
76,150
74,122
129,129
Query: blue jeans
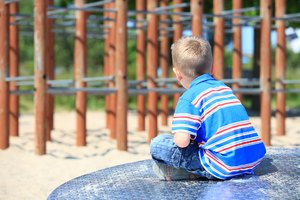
184,162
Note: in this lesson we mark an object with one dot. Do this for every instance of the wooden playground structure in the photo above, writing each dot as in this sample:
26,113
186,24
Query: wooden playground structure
155,23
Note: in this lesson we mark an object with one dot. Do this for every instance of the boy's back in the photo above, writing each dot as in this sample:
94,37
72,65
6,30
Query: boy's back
224,142
218,122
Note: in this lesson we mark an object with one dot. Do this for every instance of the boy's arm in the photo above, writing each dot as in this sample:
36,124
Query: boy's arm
181,139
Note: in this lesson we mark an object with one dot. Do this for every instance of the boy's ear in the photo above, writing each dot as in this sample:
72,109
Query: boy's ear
177,73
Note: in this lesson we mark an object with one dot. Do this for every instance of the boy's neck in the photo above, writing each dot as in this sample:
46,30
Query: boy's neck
186,82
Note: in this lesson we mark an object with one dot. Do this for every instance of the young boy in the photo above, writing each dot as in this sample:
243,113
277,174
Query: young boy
211,136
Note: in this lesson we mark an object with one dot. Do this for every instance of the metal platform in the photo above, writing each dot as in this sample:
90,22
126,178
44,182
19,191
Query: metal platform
278,177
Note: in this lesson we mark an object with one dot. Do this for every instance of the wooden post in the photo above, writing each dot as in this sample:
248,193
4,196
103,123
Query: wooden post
141,63
177,26
13,70
80,73
50,66
121,73
152,63
265,70
218,63
164,62
280,67
40,16
106,61
197,15
237,47
112,67
4,92
255,99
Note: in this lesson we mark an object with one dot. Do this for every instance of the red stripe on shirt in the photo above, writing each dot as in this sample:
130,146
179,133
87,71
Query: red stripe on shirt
184,117
219,105
205,94
230,169
232,127
239,144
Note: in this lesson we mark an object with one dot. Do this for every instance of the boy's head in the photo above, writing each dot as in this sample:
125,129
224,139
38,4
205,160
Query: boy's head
192,56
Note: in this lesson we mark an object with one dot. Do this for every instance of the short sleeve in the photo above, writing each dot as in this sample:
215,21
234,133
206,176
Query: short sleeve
186,118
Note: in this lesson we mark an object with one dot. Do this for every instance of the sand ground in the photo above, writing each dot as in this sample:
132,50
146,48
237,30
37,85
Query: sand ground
24,175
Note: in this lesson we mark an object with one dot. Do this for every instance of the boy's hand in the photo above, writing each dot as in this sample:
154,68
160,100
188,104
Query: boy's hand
182,139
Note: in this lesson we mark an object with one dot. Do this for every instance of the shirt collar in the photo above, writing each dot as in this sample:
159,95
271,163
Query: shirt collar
202,78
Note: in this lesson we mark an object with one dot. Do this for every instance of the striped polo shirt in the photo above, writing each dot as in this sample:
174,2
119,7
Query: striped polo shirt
216,119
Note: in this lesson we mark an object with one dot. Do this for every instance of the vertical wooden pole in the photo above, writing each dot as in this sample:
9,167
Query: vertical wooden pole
40,75
197,15
237,47
177,26
80,73
255,100
106,61
112,67
121,73
164,62
280,60
13,70
4,92
141,63
218,63
50,64
265,70
152,63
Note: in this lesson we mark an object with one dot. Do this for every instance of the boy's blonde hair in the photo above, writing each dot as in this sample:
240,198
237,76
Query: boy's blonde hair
192,56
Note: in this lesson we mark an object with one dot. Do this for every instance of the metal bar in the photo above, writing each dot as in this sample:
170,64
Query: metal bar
40,75
265,70
286,91
21,92
231,16
162,91
133,12
61,82
112,64
218,48
121,74
19,78
291,81
197,7
165,80
11,1
68,91
99,3
103,78
242,82
181,5
237,47
50,63
178,28
85,7
239,10
152,64
4,91
13,70
140,65
72,91
80,70
252,91
97,10
280,63
287,16
164,62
